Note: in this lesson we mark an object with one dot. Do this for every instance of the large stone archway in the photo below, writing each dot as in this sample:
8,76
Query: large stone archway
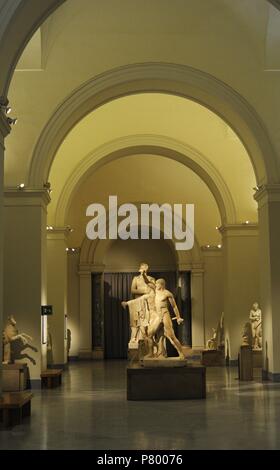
148,144
179,80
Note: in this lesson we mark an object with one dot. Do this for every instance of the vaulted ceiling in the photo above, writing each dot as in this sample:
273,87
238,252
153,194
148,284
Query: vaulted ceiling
234,41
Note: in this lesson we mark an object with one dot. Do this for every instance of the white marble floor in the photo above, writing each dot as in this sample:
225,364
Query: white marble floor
90,411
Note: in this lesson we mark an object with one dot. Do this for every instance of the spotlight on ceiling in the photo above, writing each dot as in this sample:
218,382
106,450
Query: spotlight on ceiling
12,122
47,185
258,188
21,186
4,106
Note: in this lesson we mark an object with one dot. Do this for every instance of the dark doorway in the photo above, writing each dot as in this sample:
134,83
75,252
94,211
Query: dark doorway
116,319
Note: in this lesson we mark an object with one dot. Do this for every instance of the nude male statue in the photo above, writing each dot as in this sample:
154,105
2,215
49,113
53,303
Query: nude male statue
162,298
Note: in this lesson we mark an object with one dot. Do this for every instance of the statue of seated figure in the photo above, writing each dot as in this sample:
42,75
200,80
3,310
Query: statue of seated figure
10,337
212,342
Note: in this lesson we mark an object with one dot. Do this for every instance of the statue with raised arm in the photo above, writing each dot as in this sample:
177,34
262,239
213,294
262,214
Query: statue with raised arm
256,323
139,311
157,324
10,335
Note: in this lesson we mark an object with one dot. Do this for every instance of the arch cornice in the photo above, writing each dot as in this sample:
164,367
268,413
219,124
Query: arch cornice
276,3
19,21
93,251
148,144
167,78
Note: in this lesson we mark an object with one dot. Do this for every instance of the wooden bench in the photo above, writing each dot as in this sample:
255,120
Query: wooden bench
14,406
51,378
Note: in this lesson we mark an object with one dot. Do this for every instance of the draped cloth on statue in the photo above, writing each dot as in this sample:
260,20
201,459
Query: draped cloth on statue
139,312
117,287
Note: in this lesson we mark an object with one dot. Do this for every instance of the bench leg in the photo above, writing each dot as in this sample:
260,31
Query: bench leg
11,417
26,409
6,418
49,380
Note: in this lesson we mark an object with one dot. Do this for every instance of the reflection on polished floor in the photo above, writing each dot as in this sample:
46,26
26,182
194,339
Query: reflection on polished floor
90,411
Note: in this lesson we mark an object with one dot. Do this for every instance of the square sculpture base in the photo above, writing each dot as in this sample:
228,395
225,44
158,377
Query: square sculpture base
257,358
213,357
245,363
166,383
163,362
15,377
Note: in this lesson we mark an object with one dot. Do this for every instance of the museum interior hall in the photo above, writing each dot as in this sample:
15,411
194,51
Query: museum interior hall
122,328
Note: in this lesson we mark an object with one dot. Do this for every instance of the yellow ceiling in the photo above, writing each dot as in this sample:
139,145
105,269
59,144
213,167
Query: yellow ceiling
159,115
87,37
145,178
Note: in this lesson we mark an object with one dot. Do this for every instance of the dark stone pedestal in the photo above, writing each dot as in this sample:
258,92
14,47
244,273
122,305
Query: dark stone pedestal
51,378
245,363
257,358
14,406
178,383
213,357
15,377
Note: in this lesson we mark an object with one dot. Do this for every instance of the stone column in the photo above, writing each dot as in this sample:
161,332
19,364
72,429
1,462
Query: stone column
198,320
85,314
25,269
241,281
4,131
73,301
268,198
57,294
213,287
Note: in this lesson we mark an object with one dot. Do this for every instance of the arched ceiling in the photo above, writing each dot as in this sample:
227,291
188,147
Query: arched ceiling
168,116
145,178
84,38
233,41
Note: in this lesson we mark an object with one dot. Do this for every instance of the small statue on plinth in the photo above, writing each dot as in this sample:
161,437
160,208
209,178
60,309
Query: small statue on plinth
212,342
256,325
10,336
221,333
217,341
